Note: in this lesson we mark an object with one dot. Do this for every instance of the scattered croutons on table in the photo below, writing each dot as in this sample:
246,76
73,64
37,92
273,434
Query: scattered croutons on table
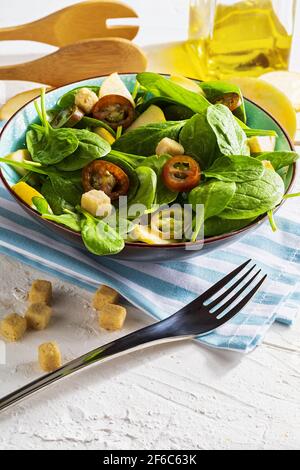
112,317
105,295
49,357
38,316
13,327
41,291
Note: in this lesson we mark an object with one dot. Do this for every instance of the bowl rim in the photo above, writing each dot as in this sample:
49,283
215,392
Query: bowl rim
207,241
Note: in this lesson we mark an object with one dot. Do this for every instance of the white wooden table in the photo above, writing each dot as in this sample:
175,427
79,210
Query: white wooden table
179,396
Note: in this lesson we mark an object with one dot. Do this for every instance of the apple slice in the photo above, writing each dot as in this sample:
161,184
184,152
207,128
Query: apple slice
152,115
113,85
186,83
17,102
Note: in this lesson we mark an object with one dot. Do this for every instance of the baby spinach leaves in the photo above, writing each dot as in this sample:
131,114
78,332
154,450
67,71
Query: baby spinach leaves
254,198
144,140
69,220
236,168
198,140
279,159
146,193
90,147
160,86
231,138
216,226
68,191
214,196
51,146
163,194
99,237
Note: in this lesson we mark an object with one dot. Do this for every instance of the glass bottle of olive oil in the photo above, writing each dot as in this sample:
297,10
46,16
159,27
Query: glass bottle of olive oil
240,37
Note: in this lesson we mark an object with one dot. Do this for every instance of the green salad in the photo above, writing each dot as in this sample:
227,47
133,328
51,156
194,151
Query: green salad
169,161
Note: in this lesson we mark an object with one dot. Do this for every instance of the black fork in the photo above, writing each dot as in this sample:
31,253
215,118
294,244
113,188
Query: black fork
208,312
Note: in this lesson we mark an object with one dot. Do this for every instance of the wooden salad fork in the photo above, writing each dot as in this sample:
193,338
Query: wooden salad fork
208,312
77,22
85,59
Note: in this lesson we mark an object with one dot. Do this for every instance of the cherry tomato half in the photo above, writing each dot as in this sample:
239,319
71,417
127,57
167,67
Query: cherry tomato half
181,173
232,100
115,110
107,177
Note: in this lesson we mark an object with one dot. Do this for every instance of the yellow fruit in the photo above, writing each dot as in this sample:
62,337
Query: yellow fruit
106,135
262,144
288,83
271,99
26,193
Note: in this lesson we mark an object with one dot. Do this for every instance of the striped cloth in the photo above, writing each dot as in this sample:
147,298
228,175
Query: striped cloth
161,289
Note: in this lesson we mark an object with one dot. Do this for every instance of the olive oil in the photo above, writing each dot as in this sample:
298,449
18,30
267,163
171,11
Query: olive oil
246,37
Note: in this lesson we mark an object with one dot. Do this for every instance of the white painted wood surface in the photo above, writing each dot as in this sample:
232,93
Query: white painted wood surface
179,396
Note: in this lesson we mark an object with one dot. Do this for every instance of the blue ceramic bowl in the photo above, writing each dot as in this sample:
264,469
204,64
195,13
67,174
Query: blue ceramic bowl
12,138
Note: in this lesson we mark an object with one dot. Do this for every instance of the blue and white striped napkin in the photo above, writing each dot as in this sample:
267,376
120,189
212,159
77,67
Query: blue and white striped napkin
161,289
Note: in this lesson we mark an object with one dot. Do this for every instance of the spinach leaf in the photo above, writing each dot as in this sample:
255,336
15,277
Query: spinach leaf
144,140
30,166
199,140
68,99
254,198
133,160
237,168
163,194
55,200
216,90
146,193
216,226
231,138
52,146
214,195
66,190
99,238
71,221
90,147
88,122
278,159
129,170
160,86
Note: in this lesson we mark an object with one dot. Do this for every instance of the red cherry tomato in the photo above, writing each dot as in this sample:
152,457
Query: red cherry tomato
107,177
181,173
115,110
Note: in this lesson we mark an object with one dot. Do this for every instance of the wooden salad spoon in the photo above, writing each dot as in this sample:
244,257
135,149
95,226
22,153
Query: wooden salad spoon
77,22
85,59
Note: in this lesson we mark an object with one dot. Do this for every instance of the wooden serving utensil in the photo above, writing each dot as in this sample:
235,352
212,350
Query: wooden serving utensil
85,59
77,22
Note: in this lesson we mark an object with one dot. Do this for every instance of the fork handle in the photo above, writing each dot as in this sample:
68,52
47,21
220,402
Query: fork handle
162,331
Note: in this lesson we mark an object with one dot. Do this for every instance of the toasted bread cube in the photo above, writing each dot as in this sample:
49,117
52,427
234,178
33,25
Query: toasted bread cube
112,317
105,295
38,316
49,357
13,327
40,292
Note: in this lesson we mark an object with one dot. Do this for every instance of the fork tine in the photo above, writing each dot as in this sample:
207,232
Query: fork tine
233,312
231,289
235,296
219,285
